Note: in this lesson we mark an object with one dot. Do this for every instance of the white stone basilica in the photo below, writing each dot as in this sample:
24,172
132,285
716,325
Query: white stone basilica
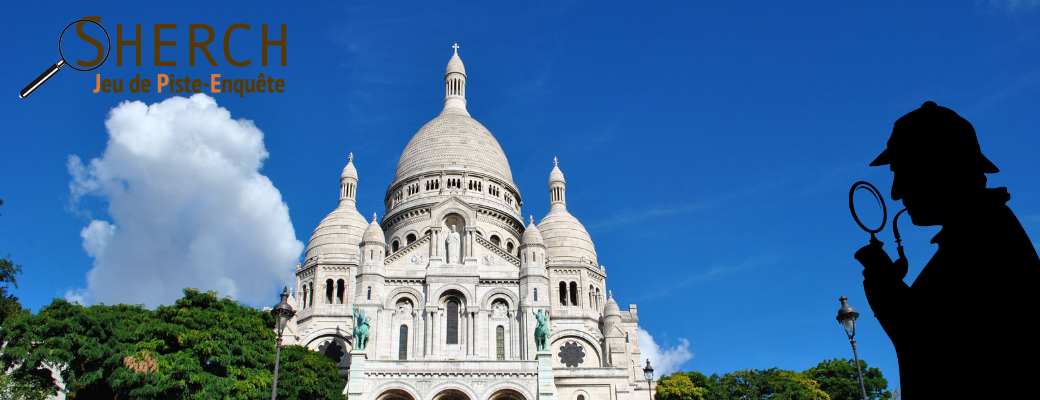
450,280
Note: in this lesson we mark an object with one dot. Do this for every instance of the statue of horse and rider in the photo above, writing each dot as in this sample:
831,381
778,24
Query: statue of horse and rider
541,330
361,326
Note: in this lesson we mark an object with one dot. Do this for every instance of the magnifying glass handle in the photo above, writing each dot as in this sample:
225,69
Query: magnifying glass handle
901,265
42,78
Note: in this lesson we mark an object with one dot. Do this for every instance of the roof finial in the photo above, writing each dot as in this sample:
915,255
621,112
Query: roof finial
532,219
373,218
610,294
456,47
556,162
351,157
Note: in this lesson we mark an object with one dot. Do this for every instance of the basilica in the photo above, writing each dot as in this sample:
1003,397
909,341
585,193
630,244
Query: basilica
450,286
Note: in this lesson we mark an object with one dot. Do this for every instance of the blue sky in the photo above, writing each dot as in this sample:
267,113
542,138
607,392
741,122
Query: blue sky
708,148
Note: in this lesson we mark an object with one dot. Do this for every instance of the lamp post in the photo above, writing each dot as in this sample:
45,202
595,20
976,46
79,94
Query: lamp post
847,317
648,373
282,313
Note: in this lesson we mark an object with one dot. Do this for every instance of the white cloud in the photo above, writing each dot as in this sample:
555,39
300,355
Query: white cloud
188,207
664,360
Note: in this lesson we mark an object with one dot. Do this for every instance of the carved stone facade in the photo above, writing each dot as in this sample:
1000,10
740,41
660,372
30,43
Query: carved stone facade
443,330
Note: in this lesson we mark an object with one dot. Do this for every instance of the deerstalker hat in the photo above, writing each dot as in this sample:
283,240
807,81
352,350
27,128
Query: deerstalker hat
934,135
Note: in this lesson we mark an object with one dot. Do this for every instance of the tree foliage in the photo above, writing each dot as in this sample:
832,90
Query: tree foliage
202,347
839,378
831,379
9,304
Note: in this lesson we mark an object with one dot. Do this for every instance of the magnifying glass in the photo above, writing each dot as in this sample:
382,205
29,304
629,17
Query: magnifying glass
53,69
861,185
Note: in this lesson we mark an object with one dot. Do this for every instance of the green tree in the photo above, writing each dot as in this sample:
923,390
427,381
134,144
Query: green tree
9,304
678,386
839,378
773,384
202,347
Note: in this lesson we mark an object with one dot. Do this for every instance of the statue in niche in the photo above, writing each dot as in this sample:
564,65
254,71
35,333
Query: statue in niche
453,241
404,308
498,310
361,326
541,330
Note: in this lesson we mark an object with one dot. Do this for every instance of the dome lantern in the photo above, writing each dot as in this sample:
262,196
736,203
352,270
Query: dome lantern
455,84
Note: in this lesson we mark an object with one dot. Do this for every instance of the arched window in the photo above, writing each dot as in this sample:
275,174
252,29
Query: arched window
410,238
581,397
563,293
453,322
402,351
535,294
591,302
394,246
329,287
340,290
500,343
574,293
509,247
371,255
496,240
304,294
312,293
369,296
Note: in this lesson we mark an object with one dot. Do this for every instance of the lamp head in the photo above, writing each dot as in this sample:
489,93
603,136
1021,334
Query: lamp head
648,372
282,312
847,316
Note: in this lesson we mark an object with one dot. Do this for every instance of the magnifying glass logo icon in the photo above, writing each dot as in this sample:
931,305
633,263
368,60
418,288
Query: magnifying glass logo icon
53,69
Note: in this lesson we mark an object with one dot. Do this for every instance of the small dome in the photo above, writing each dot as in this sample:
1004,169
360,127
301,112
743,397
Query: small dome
556,175
349,171
455,65
565,238
374,233
532,235
611,309
339,234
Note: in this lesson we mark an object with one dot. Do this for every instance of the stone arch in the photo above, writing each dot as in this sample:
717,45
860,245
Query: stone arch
511,300
411,293
581,392
590,345
336,347
345,334
396,391
467,297
505,390
452,391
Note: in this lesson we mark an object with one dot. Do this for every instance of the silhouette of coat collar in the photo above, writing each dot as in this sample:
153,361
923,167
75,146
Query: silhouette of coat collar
990,199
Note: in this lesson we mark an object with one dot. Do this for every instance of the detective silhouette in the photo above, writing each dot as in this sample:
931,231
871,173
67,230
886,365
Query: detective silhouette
966,314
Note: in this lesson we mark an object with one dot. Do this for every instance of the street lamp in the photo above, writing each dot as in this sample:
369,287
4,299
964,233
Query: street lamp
648,373
282,313
847,317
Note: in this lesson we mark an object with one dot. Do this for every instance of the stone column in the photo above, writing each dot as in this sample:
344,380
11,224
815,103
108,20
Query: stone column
436,333
428,331
356,382
415,335
546,379
512,355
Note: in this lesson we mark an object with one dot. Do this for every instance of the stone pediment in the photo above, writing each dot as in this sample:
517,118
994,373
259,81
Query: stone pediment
412,253
455,201
498,253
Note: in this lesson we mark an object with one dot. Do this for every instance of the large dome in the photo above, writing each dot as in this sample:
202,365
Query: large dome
565,238
454,140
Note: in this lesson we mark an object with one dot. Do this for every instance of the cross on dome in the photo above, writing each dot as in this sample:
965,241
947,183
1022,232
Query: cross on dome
556,163
532,219
351,157
373,217
456,47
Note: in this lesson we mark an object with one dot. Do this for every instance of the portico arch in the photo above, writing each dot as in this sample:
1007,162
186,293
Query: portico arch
395,394
452,394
